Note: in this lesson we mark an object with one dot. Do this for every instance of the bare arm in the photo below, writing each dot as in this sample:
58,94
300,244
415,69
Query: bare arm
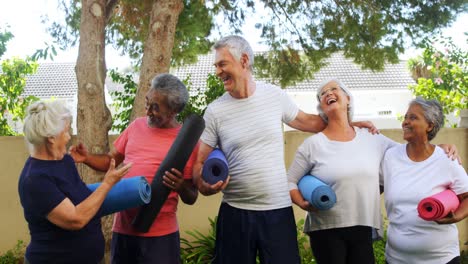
97,162
307,122
459,214
68,216
366,124
205,188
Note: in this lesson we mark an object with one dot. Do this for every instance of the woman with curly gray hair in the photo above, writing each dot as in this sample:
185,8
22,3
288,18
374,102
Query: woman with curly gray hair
412,172
59,208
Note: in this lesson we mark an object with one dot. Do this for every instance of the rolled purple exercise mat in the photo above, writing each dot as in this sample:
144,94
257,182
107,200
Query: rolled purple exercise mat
438,206
176,157
215,167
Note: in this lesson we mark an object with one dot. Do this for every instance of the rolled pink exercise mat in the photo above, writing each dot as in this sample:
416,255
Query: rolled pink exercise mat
438,205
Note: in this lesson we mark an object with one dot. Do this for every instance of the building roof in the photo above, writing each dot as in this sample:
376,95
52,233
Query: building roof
52,80
59,79
394,76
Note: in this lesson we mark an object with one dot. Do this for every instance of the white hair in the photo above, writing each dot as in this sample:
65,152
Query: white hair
45,119
237,46
433,113
345,90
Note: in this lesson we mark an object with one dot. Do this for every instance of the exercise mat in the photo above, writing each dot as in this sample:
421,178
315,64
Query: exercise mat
438,205
176,157
215,168
316,192
127,193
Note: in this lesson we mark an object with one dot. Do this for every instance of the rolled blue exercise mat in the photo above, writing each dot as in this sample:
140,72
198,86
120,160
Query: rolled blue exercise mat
127,193
216,167
316,192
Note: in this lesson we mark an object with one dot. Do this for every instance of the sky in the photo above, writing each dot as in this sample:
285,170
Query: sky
24,19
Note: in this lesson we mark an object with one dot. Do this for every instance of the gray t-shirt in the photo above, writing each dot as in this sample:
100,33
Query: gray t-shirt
249,132
351,169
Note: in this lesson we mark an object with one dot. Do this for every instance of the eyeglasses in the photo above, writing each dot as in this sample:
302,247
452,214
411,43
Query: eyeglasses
332,89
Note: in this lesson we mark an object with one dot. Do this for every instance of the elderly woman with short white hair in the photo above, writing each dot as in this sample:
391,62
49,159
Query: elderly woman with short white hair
58,206
412,172
347,158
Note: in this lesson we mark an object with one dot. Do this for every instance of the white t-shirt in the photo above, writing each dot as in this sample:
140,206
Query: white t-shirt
249,132
411,239
351,169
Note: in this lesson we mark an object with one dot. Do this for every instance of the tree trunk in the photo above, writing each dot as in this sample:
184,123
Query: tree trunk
94,119
158,46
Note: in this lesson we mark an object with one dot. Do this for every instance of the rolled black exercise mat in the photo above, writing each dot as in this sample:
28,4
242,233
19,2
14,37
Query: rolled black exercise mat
127,193
176,157
215,168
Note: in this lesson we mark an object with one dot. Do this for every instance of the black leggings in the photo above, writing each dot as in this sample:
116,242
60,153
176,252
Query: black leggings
348,245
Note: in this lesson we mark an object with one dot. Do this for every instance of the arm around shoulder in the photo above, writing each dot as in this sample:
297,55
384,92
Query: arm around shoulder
307,122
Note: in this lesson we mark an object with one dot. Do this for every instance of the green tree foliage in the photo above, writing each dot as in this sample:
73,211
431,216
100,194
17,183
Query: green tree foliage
123,100
201,98
442,74
371,32
128,24
301,34
12,82
5,36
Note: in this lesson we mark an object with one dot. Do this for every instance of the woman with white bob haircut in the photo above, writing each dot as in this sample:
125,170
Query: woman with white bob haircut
347,158
59,208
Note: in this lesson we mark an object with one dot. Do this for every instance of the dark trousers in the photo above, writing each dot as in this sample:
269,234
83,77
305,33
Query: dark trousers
240,234
145,250
348,245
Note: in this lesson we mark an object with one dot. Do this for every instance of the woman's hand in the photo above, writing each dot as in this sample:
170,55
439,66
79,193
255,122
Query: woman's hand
297,199
305,205
451,151
114,175
459,214
449,219
366,124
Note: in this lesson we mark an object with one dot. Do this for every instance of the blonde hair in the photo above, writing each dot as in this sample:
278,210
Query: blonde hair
45,119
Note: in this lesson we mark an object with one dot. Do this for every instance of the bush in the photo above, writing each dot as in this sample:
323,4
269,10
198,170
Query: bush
15,255
201,248
379,249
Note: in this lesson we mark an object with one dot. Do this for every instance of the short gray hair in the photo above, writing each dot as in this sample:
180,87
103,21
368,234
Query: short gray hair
237,46
433,113
345,90
174,90
45,119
